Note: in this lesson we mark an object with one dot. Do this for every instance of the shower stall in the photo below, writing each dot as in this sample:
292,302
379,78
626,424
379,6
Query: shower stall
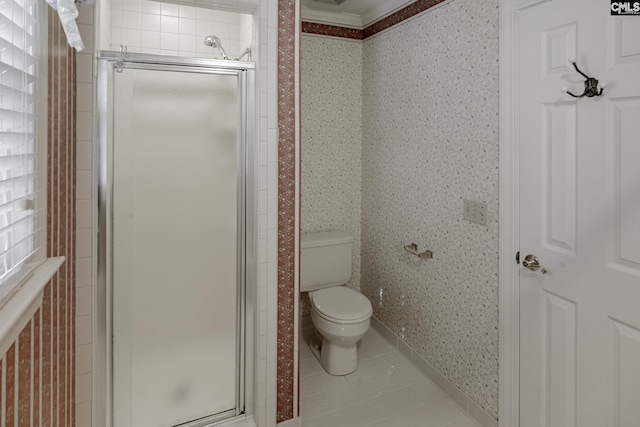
175,249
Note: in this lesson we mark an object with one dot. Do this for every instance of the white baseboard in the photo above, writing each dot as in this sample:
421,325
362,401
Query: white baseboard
476,412
293,422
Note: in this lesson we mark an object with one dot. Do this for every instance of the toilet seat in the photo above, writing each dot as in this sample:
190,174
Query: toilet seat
341,305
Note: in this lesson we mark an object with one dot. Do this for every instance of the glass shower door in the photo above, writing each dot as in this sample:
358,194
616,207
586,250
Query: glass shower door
176,231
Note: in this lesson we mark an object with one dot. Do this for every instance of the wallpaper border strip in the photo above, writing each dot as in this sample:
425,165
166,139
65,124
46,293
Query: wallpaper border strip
398,17
287,376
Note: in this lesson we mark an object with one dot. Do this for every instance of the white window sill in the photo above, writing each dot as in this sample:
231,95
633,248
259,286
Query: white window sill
17,311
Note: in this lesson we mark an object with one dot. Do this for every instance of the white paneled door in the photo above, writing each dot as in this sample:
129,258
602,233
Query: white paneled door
579,172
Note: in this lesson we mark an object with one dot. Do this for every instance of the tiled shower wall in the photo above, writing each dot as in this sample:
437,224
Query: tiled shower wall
37,372
84,222
430,139
332,138
170,29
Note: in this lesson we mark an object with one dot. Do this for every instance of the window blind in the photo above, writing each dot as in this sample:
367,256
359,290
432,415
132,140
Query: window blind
18,74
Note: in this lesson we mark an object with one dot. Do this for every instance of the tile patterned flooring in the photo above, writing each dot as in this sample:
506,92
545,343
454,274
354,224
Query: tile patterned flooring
385,391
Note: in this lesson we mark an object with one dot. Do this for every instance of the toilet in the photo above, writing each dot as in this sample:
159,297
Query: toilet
340,315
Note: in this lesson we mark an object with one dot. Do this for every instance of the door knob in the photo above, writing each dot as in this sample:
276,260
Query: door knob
533,263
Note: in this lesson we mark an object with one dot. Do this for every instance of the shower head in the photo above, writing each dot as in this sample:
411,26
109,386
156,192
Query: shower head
215,42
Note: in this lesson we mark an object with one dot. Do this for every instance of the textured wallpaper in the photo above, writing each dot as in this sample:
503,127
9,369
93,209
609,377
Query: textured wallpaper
430,139
331,138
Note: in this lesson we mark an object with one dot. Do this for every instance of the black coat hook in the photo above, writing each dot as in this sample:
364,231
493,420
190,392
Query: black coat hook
590,85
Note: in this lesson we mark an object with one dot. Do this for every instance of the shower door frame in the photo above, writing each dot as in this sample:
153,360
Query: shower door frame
109,63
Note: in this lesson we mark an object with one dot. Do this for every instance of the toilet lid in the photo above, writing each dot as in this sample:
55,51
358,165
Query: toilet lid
342,304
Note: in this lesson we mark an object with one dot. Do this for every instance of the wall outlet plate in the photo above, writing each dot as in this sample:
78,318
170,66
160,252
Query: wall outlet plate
474,211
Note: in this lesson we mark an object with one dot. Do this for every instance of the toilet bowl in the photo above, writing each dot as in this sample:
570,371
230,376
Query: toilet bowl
341,316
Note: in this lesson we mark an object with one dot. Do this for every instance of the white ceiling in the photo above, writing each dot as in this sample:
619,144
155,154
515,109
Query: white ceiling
351,13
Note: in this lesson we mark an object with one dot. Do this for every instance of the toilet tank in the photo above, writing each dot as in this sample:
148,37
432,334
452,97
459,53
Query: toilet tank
325,260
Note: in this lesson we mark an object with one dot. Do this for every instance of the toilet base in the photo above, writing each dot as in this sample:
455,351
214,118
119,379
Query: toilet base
334,358
315,344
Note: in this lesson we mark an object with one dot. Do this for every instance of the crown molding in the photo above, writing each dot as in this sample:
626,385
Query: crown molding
382,10
379,11
348,20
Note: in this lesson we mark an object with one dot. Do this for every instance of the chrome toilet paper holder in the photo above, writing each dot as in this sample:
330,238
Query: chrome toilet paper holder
413,250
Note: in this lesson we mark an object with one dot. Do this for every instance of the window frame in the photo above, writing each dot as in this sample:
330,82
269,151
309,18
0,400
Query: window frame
10,286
